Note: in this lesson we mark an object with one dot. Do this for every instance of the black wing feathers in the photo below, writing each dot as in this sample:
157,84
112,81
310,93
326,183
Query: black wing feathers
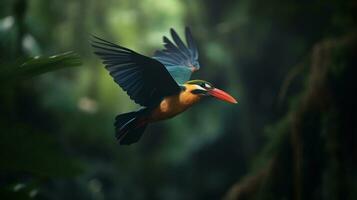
145,80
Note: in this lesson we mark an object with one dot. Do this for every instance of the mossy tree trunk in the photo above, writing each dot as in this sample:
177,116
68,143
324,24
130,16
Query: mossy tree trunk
316,155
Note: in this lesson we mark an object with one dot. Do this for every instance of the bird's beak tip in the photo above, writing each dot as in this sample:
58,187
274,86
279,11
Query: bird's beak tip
222,95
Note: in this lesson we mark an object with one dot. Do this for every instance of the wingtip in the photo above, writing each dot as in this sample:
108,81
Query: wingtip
173,32
94,40
93,37
165,39
188,33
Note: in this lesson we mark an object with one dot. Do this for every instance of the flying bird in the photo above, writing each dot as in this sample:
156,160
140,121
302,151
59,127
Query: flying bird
160,84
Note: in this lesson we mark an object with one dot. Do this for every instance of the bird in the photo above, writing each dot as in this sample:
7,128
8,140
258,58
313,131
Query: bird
160,84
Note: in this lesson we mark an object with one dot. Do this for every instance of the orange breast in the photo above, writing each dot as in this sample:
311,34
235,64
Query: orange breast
173,105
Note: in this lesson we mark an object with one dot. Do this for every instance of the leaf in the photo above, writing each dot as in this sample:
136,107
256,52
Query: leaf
39,65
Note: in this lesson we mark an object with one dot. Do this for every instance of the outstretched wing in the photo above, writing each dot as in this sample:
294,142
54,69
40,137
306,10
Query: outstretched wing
179,59
145,80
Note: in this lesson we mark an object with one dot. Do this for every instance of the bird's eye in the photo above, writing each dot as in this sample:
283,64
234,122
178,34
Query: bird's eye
207,86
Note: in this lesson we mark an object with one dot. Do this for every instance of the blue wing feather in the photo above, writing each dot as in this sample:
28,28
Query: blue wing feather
179,59
180,73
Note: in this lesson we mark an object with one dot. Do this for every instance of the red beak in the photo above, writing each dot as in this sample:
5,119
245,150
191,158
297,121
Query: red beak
222,95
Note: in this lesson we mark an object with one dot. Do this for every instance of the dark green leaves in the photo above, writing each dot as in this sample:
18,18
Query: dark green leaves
38,65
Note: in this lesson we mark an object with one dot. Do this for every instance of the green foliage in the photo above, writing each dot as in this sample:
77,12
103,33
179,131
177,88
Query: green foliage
38,65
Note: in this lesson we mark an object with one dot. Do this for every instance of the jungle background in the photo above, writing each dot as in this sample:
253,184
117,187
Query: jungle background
291,65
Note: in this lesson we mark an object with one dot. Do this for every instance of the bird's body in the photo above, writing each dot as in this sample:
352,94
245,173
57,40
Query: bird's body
160,84
175,104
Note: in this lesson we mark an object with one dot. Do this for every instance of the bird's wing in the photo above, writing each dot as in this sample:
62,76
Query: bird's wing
145,79
179,59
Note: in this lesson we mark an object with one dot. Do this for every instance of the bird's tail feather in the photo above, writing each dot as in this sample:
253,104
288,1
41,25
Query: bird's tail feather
129,127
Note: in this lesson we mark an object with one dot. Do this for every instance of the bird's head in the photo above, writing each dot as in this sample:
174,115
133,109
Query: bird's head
204,88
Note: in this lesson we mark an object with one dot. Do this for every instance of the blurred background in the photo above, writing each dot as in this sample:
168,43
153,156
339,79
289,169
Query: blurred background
291,64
